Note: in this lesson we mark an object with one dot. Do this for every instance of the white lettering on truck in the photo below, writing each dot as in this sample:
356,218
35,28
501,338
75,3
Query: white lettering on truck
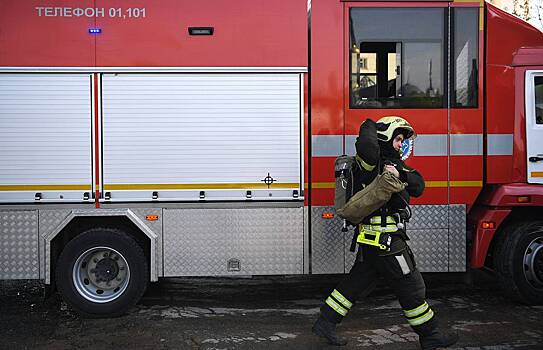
92,12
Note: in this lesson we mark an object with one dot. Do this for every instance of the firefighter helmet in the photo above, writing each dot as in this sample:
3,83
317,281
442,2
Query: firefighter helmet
386,127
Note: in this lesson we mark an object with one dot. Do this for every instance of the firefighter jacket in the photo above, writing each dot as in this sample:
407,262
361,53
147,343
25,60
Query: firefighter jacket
372,156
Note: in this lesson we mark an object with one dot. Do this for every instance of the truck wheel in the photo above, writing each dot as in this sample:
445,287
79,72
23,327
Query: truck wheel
102,272
518,260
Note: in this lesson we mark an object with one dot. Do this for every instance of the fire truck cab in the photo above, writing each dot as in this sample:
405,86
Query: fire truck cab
468,77
141,139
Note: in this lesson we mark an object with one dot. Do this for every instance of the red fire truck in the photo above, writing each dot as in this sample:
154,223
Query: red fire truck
143,139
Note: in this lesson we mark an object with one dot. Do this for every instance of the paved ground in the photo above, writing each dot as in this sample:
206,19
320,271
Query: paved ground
264,313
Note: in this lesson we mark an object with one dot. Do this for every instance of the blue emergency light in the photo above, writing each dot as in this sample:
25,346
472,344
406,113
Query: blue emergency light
95,30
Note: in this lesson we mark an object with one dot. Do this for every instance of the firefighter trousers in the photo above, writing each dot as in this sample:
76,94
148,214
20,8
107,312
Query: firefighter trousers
400,273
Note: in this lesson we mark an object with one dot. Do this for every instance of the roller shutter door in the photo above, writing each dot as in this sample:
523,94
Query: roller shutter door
45,137
202,136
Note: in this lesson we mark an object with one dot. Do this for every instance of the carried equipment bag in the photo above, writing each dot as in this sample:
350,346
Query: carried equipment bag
371,197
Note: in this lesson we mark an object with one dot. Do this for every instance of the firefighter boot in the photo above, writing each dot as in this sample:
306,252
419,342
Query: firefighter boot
437,340
327,329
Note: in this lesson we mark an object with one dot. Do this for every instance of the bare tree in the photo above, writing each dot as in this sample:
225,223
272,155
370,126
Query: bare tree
526,13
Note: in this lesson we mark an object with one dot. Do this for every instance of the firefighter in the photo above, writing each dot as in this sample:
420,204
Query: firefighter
381,237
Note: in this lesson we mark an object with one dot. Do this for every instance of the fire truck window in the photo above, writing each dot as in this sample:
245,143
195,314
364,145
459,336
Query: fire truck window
422,87
397,59
464,75
539,100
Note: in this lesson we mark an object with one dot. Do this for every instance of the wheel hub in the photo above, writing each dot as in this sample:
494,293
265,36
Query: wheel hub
533,263
106,270
101,274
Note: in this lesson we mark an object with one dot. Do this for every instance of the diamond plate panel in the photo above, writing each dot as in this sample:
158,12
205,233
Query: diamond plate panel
430,249
156,227
48,221
19,256
457,238
202,241
429,217
327,242
428,229
457,215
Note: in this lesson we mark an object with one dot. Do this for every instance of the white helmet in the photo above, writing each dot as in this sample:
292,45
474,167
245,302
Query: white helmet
387,125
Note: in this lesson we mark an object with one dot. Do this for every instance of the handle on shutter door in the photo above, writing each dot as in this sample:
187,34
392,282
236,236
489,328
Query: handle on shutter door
535,159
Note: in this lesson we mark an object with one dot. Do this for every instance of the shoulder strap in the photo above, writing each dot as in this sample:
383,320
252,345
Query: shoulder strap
363,165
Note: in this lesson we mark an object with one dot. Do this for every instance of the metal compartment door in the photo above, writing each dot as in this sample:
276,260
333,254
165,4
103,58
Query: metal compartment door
202,136
233,241
45,137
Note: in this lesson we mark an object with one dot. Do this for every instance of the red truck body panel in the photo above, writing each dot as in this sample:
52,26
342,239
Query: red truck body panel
30,39
505,35
57,36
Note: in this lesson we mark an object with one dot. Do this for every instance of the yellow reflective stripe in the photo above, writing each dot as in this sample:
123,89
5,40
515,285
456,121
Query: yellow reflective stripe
337,308
377,220
420,320
474,183
217,186
45,187
342,299
374,229
430,184
321,185
416,311
365,165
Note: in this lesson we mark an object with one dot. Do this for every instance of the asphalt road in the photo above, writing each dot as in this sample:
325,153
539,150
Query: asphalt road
265,313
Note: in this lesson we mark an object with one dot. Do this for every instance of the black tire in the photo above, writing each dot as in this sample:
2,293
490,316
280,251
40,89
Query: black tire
518,260
102,273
